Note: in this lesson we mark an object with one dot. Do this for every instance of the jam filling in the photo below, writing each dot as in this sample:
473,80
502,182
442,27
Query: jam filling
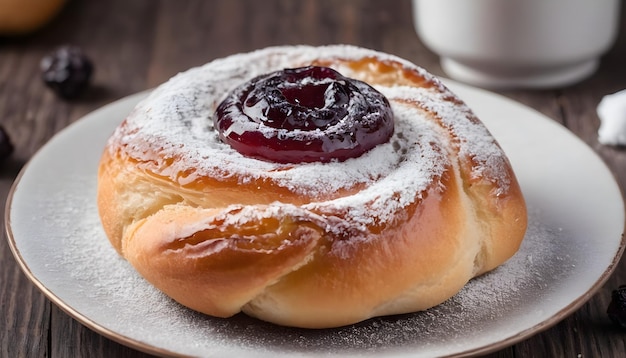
306,114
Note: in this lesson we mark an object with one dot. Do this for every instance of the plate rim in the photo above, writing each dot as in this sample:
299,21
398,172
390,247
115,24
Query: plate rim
145,347
48,293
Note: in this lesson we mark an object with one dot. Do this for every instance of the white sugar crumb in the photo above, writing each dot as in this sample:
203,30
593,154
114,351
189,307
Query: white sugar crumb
612,113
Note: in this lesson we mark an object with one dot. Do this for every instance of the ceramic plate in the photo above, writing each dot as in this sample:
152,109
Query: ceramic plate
574,240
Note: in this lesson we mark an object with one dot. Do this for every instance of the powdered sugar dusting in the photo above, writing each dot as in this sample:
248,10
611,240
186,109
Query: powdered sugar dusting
404,179
57,222
474,140
176,120
134,308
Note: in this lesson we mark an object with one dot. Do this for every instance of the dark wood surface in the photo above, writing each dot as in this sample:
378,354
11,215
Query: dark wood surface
140,43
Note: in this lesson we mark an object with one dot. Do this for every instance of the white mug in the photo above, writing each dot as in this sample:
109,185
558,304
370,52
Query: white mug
518,43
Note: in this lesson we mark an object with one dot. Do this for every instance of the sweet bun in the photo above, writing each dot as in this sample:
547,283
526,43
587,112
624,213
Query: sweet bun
398,228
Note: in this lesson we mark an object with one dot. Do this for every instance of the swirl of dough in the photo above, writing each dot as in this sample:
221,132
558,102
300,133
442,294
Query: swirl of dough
398,229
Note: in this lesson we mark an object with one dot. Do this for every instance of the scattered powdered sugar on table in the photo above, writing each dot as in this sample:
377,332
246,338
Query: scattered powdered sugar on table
134,309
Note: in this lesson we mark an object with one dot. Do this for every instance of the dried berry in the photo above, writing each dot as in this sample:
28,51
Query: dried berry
67,71
6,147
617,307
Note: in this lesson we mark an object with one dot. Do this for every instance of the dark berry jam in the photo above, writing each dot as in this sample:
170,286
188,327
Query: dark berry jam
305,114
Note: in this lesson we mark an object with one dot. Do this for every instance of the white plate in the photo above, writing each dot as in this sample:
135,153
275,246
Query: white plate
573,243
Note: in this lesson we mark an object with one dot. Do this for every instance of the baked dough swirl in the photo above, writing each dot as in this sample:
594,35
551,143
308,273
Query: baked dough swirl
398,229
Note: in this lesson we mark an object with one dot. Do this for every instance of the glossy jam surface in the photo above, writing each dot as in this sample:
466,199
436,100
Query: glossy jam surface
305,114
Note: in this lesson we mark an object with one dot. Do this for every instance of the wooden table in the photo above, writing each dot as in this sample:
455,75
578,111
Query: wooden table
138,44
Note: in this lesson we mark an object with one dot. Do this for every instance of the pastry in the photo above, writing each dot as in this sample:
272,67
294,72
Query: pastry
268,183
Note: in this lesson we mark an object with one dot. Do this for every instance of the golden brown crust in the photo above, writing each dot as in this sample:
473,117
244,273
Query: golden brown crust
225,246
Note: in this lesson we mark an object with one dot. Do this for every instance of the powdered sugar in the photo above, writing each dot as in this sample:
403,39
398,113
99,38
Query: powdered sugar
59,217
474,140
120,300
404,178
176,121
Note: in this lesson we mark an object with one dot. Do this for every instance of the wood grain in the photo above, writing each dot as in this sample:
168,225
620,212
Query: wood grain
138,44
